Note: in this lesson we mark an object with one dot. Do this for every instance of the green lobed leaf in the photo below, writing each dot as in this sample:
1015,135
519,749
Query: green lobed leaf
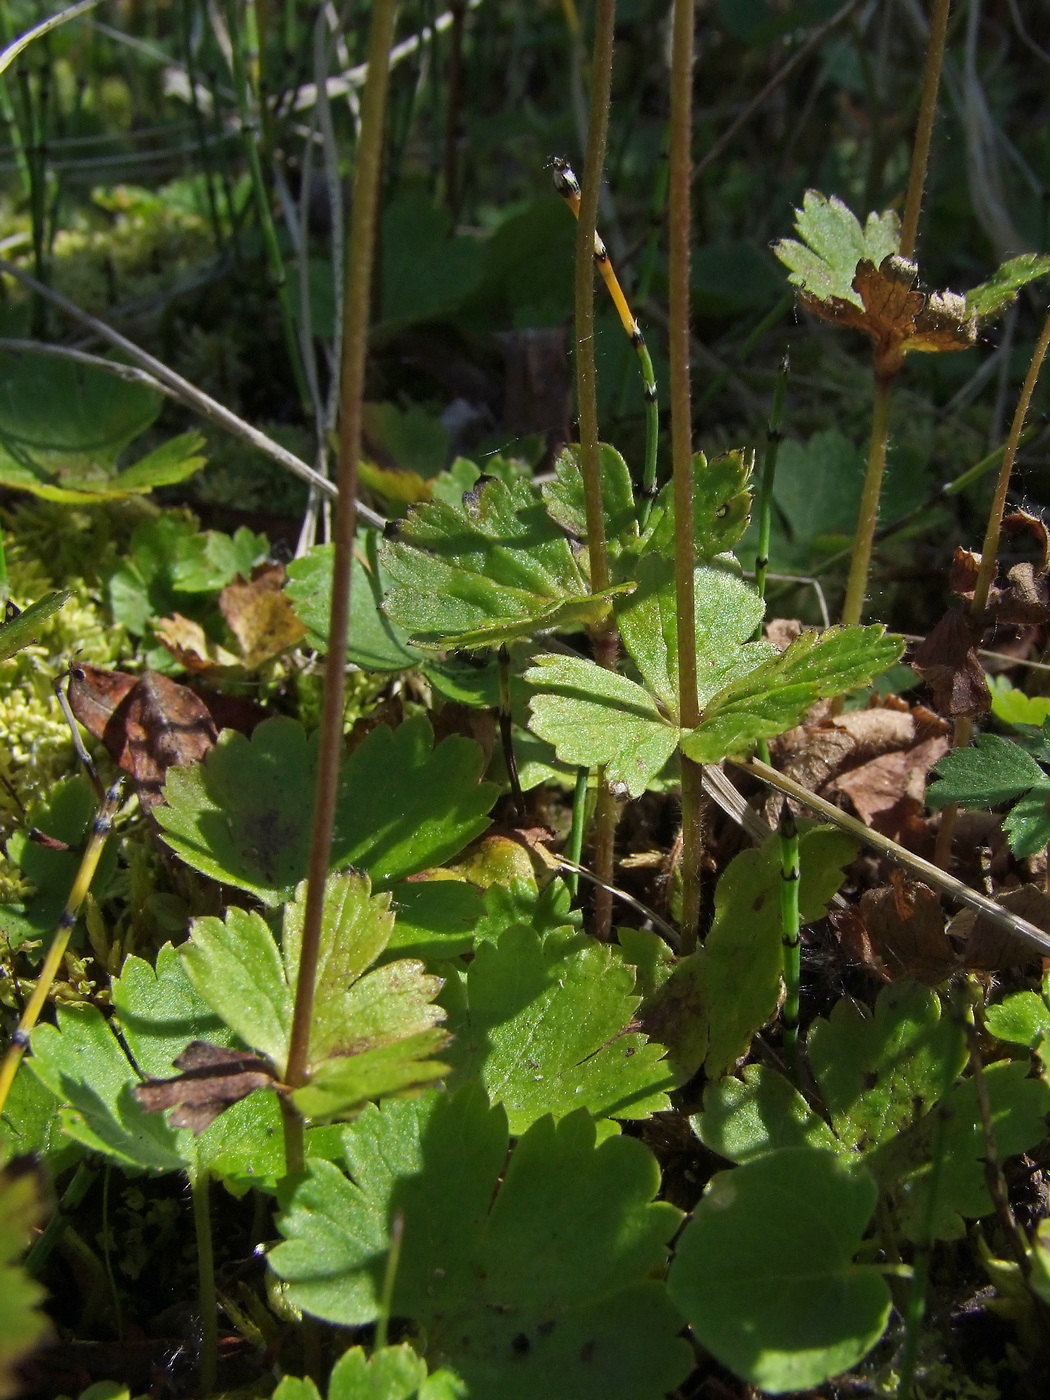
833,243
82,1062
594,716
727,613
708,1010
205,561
1005,282
19,631
371,1027
1019,1106
776,694
391,1373
543,1026
244,815
529,1279
1013,706
436,919
374,642
763,1271
879,1072
721,502
495,568
22,1325
565,502
992,771
31,1124
175,460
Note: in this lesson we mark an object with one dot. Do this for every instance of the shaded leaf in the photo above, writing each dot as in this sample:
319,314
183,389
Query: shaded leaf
759,1112
244,816
899,930
547,1027
22,1326
948,662
64,426
781,1317
529,1279
374,642
879,1073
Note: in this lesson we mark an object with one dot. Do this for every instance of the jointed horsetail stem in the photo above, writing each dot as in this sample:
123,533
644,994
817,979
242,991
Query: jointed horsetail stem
100,829
567,185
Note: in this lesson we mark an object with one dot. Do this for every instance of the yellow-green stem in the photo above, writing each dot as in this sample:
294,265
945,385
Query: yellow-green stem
868,514
355,341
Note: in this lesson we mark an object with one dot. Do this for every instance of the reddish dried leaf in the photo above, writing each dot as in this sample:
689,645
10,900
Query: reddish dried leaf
154,726
948,664
986,946
191,646
213,1078
901,931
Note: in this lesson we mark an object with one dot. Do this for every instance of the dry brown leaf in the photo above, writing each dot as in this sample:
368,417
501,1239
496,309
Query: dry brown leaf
985,946
212,1079
192,647
877,788
899,931
948,664
148,726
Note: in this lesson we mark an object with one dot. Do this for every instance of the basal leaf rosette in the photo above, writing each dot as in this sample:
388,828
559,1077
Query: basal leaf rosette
533,1276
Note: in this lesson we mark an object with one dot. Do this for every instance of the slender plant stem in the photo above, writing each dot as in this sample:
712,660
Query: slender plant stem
83,1180
916,1306
790,876
920,158
355,341
769,471
680,169
506,731
574,846
962,731
200,1191
67,921
868,514
603,636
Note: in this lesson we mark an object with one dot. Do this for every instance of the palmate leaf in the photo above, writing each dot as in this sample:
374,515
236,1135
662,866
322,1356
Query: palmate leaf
1005,282
833,242
64,426
244,815
776,694
721,502
543,1026
82,1062
991,772
22,1327
371,1032
782,1316
528,1279
495,568
594,716
564,499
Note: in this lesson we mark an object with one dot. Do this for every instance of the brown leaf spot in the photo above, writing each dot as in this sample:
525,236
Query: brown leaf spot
213,1078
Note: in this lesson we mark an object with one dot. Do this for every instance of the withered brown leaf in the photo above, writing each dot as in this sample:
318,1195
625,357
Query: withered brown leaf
212,1079
947,662
898,931
986,947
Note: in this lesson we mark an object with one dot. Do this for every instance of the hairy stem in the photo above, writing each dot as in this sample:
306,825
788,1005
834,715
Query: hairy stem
920,156
355,340
605,645
680,169
868,514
